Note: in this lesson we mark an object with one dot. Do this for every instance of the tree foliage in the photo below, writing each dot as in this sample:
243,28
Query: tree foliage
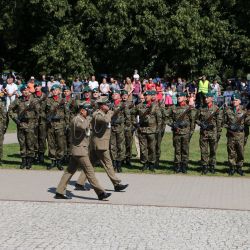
80,37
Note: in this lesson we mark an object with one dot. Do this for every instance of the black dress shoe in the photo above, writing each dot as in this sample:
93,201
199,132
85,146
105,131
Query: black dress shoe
103,196
120,187
61,196
81,187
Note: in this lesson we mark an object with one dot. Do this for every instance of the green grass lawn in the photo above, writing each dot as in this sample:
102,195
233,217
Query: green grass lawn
11,127
12,160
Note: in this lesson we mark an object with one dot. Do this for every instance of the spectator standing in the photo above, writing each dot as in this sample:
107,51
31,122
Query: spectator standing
129,88
174,95
159,90
93,84
150,85
137,90
76,88
104,87
168,96
227,95
215,90
114,85
192,88
31,85
10,90
180,85
51,82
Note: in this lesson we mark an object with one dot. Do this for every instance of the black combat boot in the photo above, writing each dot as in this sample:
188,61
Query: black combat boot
23,163
144,167
157,164
231,170
128,163
177,168
204,169
184,168
119,166
52,165
239,170
212,169
152,167
59,165
41,158
29,162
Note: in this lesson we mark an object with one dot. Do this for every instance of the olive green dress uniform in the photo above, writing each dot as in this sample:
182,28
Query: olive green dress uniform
57,117
182,134
24,112
149,120
100,139
235,137
80,128
41,127
3,116
210,131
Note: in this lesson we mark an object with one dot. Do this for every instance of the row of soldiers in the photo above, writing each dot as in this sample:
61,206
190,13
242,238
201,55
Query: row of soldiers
40,118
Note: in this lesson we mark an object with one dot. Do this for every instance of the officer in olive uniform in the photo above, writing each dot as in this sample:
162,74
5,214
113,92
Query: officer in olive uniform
24,112
117,139
57,118
235,120
209,118
100,139
80,134
182,121
3,124
147,122
41,126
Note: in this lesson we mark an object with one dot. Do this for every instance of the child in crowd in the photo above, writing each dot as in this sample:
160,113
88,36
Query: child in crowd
174,95
168,96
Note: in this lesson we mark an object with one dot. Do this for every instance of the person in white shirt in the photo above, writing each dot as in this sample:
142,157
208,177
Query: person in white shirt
93,83
104,87
10,90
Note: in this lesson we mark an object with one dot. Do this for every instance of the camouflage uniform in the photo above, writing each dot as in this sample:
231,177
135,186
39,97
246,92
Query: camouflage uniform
58,118
3,116
235,121
41,127
24,112
209,118
183,128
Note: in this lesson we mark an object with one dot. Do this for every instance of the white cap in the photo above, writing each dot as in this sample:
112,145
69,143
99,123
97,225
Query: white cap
32,78
136,76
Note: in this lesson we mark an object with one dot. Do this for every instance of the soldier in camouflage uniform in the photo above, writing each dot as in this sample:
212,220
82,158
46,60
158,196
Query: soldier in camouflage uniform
41,126
3,124
209,118
117,139
128,129
182,121
57,118
235,120
24,112
148,120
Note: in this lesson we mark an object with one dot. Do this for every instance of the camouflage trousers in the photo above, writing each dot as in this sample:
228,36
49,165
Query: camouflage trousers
158,138
128,143
181,148
56,143
235,150
40,138
117,144
208,146
26,141
1,141
147,148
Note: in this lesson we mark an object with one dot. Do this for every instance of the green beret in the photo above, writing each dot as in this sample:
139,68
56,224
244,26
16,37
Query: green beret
235,96
147,93
86,89
124,92
84,105
95,90
153,92
116,91
65,88
103,100
209,94
23,87
37,83
55,86
181,94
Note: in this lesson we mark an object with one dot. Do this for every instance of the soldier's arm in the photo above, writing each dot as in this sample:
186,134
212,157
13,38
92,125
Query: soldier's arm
219,121
193,114
13,111
169,116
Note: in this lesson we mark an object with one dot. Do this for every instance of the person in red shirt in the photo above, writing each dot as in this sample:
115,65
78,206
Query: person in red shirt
150,85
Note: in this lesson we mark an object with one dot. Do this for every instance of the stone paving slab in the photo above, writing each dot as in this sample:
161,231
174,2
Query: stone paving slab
144,189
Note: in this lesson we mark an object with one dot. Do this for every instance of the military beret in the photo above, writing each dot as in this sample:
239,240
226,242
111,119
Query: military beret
147,93
23,87
181,94
65,88
209,94
235,96
95,90
37,83
153,92
55,86
103,100
84,105
116,91
86,89
124,92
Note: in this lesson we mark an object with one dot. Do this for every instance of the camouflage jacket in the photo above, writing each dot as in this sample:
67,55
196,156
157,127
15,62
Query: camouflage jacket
3,116
210,120
57,113
118,118
24,112
41,103
181,119
128,115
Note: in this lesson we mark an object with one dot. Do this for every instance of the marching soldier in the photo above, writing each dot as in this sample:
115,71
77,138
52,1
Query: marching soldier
209,118
182,121
100,139
41,127
3,124
117,139
80,133
57,118
147,121
235,120
24,112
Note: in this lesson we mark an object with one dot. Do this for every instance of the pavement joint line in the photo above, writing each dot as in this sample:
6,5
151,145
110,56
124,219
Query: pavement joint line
101,203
